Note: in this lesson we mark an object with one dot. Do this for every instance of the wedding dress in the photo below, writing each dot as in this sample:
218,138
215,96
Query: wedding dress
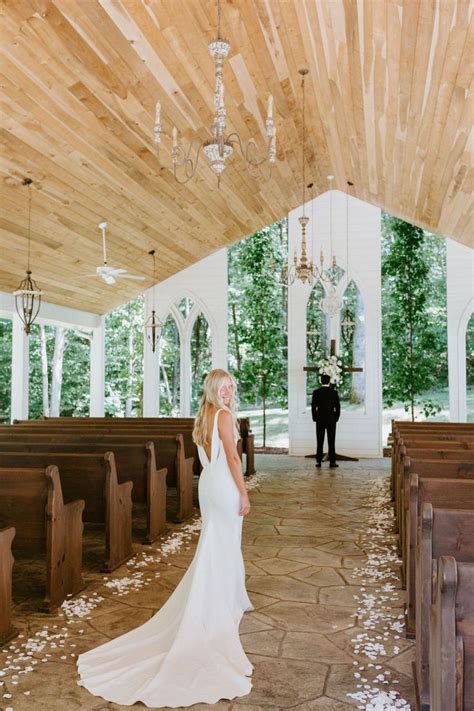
190,651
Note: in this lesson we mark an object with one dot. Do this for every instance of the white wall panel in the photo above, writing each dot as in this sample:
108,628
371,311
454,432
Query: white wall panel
359,432
460,305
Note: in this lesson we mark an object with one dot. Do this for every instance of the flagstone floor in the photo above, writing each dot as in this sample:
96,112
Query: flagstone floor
327,630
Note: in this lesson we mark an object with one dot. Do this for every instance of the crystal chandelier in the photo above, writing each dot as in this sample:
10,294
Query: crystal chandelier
153,325
220,147
28,295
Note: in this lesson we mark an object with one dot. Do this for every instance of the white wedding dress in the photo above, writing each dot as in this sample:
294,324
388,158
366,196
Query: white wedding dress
190,651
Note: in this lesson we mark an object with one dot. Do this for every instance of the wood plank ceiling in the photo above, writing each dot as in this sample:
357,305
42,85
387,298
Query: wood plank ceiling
387,108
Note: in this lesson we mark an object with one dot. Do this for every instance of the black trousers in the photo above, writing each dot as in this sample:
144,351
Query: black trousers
321,429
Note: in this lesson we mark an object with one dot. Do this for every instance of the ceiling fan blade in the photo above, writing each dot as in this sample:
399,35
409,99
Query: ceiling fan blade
131,276
84,276
117,272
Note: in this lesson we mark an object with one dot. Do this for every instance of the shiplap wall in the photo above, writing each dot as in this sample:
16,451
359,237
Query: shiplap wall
360,432
206,284
460,298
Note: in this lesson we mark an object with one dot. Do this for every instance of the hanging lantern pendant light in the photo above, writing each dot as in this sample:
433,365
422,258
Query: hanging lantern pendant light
153,325
28,295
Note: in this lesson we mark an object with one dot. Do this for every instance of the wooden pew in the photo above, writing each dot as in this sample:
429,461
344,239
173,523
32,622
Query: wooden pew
7,630
449,440
31,501
169,452
441,532
460,467
93,478
452,637
135,462
439,456
426,430
441,493
166,425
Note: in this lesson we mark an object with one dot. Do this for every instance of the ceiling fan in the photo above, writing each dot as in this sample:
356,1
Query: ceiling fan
107,273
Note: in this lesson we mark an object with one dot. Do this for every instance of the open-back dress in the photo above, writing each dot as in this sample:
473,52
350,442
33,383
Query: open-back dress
190,651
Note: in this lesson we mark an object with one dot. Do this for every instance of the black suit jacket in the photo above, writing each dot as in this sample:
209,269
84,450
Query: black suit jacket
325,406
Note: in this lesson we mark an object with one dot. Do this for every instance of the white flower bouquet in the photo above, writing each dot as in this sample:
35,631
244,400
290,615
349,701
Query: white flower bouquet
331,366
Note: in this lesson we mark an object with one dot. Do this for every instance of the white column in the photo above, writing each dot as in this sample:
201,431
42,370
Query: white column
97,371
185,395
151,370
20,370
460,303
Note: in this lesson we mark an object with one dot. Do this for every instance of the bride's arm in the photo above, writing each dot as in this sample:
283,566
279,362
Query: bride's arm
226,432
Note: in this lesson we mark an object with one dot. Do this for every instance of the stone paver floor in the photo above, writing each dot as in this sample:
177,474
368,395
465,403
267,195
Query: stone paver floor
321,573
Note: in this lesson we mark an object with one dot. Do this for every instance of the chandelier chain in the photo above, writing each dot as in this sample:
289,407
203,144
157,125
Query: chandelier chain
303,144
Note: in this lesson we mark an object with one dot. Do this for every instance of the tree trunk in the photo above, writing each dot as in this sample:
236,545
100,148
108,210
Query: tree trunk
358,348
57,371
167,386
236,339
264,375
129,398
44,370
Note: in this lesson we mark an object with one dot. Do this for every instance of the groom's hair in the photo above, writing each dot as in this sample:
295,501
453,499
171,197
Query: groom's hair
325,379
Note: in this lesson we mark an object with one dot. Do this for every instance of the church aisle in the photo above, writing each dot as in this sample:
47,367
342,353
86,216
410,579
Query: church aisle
327,631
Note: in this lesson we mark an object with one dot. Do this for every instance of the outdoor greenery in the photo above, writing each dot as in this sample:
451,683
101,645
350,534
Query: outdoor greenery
258,318
414,328
5,368
414,338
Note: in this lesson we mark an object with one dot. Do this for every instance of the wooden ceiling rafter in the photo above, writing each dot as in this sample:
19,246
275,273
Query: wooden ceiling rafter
389,108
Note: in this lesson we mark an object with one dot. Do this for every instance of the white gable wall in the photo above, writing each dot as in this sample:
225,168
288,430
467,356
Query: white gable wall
206,283
359,433
460,305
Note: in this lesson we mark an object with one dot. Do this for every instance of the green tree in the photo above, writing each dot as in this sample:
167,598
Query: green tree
124,360
5,369
258,318
412,339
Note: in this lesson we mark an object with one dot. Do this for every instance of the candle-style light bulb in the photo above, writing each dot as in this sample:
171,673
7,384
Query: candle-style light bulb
157,112
270,107
175,137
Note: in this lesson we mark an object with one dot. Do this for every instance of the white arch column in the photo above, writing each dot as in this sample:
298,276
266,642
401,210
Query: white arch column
151,368
460,304
97,370
20,370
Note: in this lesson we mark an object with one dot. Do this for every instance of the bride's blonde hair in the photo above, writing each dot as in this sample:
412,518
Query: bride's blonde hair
210,397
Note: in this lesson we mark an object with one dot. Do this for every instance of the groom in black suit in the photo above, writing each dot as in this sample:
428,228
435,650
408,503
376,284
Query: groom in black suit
326,410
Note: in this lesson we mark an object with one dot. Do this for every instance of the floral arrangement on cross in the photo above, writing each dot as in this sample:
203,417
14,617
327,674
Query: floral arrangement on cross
332,366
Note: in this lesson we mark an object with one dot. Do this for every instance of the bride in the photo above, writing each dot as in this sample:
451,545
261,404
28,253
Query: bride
190,651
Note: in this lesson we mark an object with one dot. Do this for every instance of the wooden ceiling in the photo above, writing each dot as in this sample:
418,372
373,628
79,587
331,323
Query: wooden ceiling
387,107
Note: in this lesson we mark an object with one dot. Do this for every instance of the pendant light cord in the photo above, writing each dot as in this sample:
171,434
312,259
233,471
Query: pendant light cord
218,19
29,224
303,146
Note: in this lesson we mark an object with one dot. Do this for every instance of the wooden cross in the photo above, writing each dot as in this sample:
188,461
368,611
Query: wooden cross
312,369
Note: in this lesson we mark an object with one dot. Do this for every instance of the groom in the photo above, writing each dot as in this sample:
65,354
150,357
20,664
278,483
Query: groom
326,409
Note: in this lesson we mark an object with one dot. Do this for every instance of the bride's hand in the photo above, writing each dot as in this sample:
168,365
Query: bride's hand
244,505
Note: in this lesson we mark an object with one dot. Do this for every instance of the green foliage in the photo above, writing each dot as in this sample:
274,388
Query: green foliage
170,369
75,380
5,369
470,352
201,358
257,317
414,314
124,360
